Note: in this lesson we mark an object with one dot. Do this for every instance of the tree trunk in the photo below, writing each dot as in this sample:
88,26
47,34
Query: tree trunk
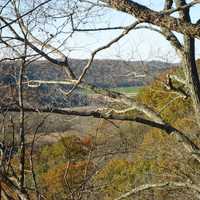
189,63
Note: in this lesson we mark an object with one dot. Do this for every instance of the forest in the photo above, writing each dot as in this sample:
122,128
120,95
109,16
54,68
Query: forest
92,107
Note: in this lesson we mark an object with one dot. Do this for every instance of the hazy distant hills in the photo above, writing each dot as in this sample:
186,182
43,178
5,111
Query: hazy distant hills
103,73
117,73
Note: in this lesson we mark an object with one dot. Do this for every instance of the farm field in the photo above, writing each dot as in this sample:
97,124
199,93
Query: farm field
130,90
127,90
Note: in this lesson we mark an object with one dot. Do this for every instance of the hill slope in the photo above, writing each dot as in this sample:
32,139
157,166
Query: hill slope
103,73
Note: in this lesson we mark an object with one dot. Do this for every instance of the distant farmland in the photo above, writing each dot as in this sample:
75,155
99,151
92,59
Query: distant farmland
130,90
127,90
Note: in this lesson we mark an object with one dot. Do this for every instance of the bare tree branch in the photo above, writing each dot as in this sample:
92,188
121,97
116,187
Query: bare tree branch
88,65
25,14
159,186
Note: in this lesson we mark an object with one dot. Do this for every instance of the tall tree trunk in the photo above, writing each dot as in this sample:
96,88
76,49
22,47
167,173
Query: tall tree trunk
189,63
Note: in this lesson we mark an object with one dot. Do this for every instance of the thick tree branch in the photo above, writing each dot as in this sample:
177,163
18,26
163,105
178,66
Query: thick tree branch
148,15
190,147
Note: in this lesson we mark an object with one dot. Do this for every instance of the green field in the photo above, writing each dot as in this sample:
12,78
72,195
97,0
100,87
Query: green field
124,90
127,90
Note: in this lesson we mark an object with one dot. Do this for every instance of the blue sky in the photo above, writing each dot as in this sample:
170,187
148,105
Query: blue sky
137,45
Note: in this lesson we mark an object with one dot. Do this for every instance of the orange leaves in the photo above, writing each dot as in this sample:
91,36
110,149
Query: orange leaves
86,140
63,178
64,166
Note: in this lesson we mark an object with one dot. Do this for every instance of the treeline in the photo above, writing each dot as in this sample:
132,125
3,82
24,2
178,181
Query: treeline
104,73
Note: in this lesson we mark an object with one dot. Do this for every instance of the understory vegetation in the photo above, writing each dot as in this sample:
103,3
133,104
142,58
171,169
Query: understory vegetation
112,157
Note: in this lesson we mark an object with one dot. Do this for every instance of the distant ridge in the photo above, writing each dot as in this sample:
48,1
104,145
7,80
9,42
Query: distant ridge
103,73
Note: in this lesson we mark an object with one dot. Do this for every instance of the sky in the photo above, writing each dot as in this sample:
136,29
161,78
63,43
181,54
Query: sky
141,44
137,45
